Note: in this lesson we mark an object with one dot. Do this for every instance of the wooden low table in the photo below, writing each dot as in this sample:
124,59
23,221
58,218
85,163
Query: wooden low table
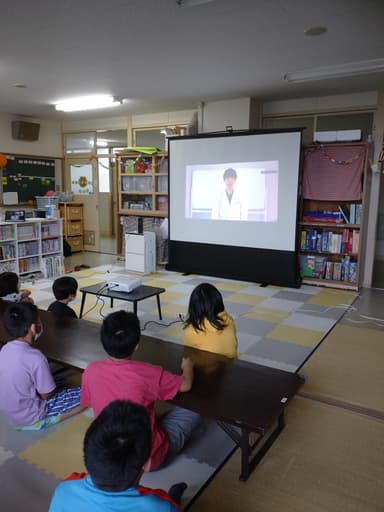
243,397
140,293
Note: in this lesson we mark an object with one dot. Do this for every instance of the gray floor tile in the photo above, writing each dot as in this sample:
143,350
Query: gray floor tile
279,351
254,327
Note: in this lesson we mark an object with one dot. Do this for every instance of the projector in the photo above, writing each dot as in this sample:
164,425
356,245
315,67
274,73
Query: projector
124,284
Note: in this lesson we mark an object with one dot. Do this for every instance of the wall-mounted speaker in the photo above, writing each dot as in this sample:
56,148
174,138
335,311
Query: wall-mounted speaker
22,130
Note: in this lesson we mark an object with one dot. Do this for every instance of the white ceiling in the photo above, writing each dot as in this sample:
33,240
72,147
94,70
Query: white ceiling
163,57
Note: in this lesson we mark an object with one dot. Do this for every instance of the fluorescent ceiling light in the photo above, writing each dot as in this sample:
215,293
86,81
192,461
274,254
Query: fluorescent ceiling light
192,3
337,71
88,103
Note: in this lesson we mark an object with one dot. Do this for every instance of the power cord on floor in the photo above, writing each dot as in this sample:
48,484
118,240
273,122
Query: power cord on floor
161,324
98,299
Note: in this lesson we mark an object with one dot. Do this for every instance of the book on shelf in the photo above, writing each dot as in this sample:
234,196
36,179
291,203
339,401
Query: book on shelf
328,270
307,265
345,265
303,240
358,214
337,271
355,242
352,278
344,210
352,214
320,262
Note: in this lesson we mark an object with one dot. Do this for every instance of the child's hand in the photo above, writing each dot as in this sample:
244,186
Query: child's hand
187,364
187,367
25,296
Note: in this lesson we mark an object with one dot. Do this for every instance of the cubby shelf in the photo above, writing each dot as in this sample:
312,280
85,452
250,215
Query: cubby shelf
143,184
35,245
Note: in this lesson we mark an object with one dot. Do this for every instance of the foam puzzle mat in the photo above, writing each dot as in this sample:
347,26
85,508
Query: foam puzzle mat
33,463
277,327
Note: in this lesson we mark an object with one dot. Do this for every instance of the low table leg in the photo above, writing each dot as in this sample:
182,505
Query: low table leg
82,304
263,443
247,466
158,306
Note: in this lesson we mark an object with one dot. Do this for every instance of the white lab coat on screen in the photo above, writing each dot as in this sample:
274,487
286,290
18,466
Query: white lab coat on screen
237,209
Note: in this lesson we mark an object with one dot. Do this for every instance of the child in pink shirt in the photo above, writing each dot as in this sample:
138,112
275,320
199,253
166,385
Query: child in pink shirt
121,378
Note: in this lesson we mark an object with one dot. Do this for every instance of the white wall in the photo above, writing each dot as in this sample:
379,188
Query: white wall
162,118
49,143
100,123
215,116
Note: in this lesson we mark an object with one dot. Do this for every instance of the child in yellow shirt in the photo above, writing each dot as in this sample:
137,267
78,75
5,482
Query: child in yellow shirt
208,326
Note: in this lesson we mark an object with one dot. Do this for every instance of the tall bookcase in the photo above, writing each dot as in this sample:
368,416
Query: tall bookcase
332,218
32,246
143,184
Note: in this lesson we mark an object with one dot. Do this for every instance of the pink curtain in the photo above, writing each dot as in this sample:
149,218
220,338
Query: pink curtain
333,173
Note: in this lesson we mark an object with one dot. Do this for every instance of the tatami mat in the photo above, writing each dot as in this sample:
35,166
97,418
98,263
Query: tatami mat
325,460
278,327
348,366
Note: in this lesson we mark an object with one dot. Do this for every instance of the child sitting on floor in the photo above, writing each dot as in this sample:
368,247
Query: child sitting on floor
121,378
116,448
28,393
64,289
10,288
208,326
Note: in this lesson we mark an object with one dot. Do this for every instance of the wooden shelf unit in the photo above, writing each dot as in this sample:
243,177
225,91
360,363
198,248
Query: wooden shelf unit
143,184
33,246
73,218
331,243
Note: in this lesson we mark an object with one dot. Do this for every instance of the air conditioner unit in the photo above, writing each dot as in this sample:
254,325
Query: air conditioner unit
21,130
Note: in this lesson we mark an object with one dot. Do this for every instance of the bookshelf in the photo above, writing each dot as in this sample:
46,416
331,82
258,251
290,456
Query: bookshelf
143,184
33,246
331,227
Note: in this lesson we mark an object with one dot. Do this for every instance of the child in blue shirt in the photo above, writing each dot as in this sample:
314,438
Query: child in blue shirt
117,448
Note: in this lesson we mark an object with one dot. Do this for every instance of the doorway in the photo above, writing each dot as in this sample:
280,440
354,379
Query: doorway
91,183
90,156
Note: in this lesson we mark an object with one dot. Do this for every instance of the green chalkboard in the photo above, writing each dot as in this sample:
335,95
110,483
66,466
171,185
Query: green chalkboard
28,176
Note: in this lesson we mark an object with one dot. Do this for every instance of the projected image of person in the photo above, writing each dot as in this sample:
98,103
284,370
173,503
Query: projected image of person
231,203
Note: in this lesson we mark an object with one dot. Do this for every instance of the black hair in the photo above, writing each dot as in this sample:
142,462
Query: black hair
120,333
9,283
230,173
18,318
117,444
205,303
64,286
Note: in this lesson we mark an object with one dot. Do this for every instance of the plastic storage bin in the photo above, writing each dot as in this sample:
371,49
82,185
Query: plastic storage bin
43,201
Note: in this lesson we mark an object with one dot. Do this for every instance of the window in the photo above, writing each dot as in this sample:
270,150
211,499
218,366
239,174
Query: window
79,143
